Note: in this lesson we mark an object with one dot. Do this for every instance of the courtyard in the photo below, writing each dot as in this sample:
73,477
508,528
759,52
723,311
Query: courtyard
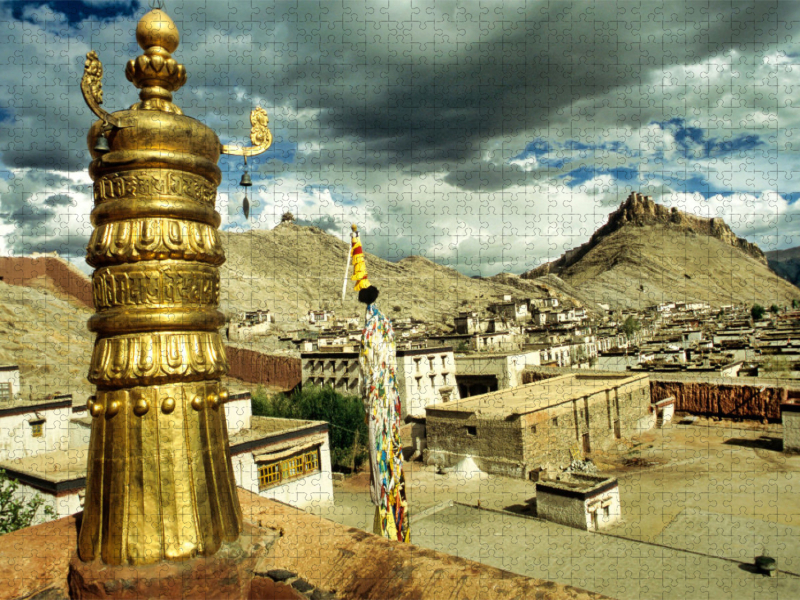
699,502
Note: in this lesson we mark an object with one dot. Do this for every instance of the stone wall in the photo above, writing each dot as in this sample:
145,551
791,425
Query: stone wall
559,509
709,394
254,367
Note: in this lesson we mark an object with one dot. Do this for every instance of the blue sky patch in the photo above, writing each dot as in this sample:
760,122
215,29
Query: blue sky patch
693,143
581,175
77,11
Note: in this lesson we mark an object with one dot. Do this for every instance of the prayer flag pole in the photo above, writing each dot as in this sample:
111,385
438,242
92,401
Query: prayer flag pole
378,383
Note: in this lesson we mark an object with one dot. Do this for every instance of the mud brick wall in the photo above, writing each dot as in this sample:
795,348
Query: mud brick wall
534,376
742,401
496,446
282,372
518,444
47,272
552,435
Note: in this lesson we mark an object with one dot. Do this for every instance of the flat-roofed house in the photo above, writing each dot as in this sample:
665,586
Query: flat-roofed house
515,431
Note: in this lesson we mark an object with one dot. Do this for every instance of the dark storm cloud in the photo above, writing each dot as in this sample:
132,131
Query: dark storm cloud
523,69
426,87
402,108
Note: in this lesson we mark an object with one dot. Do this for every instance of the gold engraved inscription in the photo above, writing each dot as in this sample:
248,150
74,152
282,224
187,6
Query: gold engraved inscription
149,184
147,239
141,359
194,285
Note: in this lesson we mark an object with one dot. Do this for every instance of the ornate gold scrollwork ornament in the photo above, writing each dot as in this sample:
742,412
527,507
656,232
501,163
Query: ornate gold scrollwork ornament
260,136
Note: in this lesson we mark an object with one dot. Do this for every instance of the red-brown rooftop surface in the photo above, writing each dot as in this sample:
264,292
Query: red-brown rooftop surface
348,562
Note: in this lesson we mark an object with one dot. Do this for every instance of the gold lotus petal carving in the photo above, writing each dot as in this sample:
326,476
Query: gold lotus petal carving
154,239
143,359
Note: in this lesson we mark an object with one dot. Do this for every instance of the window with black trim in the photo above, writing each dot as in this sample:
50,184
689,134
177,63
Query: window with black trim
37,429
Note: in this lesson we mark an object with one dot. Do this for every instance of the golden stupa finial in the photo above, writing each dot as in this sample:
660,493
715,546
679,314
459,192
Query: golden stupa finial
155,72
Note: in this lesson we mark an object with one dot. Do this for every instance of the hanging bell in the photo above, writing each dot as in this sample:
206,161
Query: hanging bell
246,181
246,208
102,144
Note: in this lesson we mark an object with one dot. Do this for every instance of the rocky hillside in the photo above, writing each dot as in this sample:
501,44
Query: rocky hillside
292,269
786,263
647,253
46,336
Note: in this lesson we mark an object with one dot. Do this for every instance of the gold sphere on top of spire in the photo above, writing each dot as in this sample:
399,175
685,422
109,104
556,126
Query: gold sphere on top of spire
157,29
155,72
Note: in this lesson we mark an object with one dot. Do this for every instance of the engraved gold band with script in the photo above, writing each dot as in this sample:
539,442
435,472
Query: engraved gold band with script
147,184
156,284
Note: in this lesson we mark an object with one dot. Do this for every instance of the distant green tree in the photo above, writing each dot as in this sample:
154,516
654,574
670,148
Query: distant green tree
15,514
795,303
757,312
774,309
345,414
631,326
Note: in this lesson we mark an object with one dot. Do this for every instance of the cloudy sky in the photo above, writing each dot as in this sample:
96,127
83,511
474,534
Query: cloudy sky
490,136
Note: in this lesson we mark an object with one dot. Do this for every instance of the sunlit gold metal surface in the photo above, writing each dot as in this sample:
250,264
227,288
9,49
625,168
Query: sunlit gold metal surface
160,484
260,135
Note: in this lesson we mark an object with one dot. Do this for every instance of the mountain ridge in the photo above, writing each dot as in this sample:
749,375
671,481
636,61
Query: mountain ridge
641,210
647,253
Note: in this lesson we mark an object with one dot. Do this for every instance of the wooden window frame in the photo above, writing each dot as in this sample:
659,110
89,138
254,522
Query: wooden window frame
278,472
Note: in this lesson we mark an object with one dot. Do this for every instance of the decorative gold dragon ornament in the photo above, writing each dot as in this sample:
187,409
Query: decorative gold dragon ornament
160,484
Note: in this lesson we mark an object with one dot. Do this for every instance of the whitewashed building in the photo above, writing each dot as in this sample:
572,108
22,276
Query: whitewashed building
58,478
588,502
28,428
9,383
425,376
790,418
285,459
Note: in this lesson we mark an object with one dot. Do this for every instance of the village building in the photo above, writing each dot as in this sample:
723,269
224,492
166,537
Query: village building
425,376
512,310
316,317
467,323
583,501
9,383
550,302
284,459
513,432
32,427
483,373
790,418
249,324
58,477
